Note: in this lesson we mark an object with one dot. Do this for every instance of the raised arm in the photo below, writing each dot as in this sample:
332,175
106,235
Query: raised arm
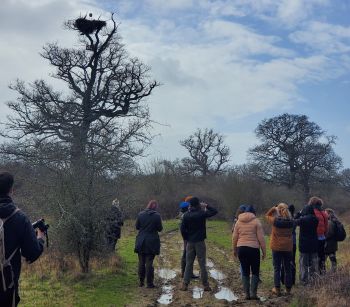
270,215
210,211
31,246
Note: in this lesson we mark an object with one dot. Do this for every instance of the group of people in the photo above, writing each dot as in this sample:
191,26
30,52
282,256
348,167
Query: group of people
193,229
319,233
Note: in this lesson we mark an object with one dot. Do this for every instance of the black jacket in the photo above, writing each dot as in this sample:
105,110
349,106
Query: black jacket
148,223
193,226
19,233
308,239
331,240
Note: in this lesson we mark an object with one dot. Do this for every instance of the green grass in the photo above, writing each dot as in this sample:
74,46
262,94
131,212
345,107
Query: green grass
101,288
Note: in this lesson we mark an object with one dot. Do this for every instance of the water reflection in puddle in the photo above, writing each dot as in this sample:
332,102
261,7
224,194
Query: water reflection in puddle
214,273
210,264
167,295
226,294
197,292
166,274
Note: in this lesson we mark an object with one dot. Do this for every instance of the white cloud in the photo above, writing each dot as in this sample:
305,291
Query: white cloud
286,12
211,69
324,38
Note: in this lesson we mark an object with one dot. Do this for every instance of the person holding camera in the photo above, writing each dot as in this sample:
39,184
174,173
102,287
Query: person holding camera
18,238
193,228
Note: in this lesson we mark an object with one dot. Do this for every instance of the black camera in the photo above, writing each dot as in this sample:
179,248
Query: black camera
40,224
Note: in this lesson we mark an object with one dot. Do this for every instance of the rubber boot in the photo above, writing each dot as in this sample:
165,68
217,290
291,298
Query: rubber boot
246,286
254,287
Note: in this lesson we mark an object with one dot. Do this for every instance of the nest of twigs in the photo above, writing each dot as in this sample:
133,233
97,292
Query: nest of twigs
86,26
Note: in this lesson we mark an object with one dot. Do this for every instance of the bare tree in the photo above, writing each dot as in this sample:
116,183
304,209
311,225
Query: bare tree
93,128
344,179
294,150
208,153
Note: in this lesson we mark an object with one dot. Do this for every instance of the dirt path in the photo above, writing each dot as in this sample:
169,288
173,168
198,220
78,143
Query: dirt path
224,279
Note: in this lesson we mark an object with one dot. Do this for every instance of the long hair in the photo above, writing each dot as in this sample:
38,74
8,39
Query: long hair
152,205
283,211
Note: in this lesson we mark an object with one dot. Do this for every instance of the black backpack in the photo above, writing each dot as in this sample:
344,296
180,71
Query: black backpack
340,233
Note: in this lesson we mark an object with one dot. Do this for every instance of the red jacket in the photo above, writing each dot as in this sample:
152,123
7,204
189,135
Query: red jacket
322,217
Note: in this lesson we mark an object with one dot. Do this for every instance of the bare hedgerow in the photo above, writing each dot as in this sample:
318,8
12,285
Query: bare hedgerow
330,290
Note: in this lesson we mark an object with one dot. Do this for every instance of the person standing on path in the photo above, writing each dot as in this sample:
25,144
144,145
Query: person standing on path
114,223
331,246
183,209
193,227
281,244
308,244
19,239
147,244
322,228
247,240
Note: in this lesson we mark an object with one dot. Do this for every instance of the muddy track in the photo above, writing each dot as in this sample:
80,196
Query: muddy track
224,279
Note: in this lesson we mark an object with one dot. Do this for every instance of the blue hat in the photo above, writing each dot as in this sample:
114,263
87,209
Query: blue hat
250,209
184,204
242,207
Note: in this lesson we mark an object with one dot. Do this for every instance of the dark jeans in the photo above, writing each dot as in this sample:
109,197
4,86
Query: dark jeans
146,268
321,256
183,260
194,249
249,258
293,267
6,298
282,260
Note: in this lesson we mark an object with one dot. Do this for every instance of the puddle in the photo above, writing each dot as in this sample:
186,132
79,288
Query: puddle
226,294
210,264
166,274
197,292
214,273
167,295
263,299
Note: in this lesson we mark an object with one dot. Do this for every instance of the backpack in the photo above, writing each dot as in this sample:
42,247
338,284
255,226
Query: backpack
340,233
6,272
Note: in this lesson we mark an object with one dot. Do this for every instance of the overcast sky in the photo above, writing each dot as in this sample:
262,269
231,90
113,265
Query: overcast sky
223,64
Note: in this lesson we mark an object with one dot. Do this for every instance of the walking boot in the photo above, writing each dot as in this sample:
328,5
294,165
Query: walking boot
246,286
276,291
184,287
288,291
141,283
207,288
254,287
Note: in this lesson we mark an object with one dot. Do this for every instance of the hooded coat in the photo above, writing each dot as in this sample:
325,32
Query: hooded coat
19,233
148,223
248,231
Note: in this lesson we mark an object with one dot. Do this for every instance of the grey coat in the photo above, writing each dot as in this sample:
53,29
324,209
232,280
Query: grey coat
148,223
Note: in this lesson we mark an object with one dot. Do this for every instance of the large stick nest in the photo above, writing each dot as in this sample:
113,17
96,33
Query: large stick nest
86,26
